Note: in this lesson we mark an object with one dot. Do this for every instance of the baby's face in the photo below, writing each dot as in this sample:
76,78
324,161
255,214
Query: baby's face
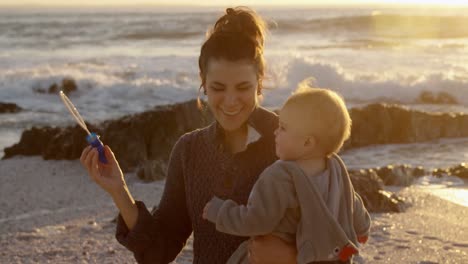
291,134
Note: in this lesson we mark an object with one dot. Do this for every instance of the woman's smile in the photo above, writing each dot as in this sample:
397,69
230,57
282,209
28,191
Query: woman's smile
231,112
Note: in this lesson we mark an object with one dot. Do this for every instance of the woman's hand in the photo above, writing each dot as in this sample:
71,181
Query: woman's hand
272,250
108,176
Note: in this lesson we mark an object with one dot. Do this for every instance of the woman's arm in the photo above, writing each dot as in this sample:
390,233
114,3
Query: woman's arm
110,178
126,204
160,236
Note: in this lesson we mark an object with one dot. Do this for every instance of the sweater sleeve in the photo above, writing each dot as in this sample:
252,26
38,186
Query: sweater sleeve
158,237
271,196
361,219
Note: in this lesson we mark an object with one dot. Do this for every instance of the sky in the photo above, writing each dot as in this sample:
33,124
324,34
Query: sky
228,2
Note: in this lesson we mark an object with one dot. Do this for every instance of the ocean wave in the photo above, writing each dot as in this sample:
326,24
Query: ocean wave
362,88
384,25
357,44
106,89
378,44
106,86
145,35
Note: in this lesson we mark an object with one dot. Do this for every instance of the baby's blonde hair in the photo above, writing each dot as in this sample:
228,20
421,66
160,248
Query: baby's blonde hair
325,116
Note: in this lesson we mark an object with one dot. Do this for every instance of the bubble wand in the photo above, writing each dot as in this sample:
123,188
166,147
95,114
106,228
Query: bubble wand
91,138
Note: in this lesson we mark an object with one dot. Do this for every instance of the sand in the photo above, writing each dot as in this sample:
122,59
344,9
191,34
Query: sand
432,230
53,213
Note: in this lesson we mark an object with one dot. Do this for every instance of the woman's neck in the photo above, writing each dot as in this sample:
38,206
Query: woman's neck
313,166
236,140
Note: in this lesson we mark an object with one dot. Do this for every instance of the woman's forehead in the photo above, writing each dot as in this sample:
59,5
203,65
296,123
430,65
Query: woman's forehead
222,70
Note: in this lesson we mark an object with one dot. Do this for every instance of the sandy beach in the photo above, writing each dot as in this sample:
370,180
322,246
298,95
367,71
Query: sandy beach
53,213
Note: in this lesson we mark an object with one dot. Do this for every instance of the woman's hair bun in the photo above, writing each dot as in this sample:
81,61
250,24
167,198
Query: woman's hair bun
241,20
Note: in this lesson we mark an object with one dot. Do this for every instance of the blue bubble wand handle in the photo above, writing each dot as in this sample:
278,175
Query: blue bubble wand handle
94,141
91,138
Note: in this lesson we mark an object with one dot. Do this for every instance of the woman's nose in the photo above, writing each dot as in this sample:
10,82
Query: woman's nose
230,99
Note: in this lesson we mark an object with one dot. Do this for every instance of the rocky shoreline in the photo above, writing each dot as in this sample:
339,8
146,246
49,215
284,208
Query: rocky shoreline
150,135
142,142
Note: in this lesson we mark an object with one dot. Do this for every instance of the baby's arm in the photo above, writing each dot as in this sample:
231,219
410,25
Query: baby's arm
362,220
271,196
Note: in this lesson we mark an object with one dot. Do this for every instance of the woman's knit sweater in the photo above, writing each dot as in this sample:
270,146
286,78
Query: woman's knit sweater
200,168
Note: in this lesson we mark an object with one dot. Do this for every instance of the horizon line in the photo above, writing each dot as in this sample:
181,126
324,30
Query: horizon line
253,5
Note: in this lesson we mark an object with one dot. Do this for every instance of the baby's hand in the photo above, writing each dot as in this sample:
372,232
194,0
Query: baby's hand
205,210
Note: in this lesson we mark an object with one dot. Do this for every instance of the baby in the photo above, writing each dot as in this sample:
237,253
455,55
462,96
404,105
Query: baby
306,197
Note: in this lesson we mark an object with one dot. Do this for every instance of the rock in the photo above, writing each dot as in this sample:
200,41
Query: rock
51,142
32,142
370,187
396,175
9,108
54,88
403,175
399,175
419,171
67,86
152,170
446,98
440,172
391,202
394,124
460,170
427,97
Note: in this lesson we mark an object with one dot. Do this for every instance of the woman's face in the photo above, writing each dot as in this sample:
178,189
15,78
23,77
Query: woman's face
289,137
231,87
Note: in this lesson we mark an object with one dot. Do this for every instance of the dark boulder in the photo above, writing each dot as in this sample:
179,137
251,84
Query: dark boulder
9,108
399,175
460,170
370,187
67,86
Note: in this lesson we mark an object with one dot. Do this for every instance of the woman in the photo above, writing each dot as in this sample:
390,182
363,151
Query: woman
223,159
